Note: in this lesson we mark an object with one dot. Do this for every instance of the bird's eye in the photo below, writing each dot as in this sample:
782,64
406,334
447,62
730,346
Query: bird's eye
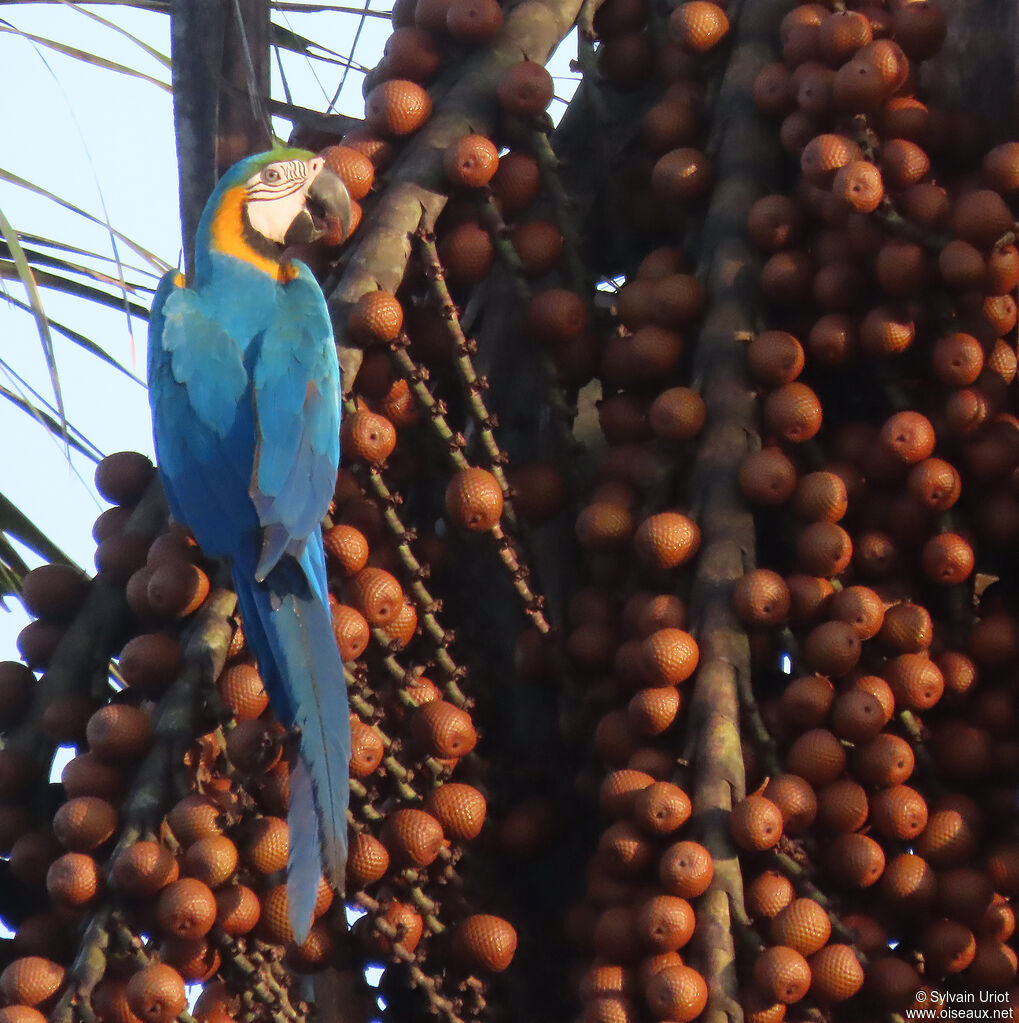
271,176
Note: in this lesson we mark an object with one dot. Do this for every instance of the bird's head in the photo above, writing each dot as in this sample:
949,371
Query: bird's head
272,200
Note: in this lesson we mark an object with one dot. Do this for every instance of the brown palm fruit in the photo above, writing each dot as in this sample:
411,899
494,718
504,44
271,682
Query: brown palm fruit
678,300
668,657
641,358
186,908
761,597
87,775
397,107
614,738
351,630
880,690
368,437
474,499
947,559
176,588
796,799
625,849
119,732
755,823
807,700
460,809
1001,167
21,1014
665,923
353,167
211,860
962,750
485,942
516,183
836,973
652,711
54,591
404,919
525,88
677,414
31,855
825,154
981,217
906,628
792,412
855,860
698,25
861,607
767,477
823,549
915,680
156,993
891,983
1003,869
768,894
775,222
782,973
858,186
31,980
840,34
998,920
84,823
123,477
682,174
377,594
898,812
619,790
237,909
661,808
908,436
241,689
16,685
443,729
539,244
150,662
772,92
909,884
832,339
686,869
935,483
962,266
605,980
1002,270
993,640
948,947
556,314
817,756
885,761
666,540
367,748
676,993
37,642
842,806
473,21
194,959
802,925
368,860
74,880
820,497
267,844
832,648
857,715
375,318
413,837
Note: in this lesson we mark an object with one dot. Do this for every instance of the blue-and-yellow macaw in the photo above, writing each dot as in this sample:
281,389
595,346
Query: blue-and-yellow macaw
245,395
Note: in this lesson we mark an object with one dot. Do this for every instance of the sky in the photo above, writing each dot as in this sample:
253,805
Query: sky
104,142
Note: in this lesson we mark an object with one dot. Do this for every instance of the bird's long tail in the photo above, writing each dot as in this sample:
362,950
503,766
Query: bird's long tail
288,626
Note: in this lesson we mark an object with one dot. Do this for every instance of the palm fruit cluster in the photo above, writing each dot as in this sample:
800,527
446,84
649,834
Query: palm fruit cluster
670,561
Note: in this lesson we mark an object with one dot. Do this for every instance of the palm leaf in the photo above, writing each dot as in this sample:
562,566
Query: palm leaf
15,525
37,258
79,339
150,50
27,278
46,420
70,287
161,265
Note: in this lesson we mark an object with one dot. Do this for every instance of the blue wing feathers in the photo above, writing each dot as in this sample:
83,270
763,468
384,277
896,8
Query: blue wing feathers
244,386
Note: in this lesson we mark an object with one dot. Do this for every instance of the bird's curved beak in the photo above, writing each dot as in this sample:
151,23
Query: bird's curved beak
326,204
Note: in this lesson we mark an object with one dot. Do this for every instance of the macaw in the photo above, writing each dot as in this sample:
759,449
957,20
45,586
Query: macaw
245,396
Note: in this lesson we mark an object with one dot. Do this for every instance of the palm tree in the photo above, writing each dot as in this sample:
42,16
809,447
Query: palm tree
671,549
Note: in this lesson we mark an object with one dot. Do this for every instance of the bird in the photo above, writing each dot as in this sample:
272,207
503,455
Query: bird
244,390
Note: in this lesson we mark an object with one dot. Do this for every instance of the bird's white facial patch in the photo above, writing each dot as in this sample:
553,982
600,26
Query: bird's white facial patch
277,194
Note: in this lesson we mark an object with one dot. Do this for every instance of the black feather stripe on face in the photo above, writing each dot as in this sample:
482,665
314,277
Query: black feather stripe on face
263,246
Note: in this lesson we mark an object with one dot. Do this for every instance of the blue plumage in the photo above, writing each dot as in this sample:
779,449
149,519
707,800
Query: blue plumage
244,388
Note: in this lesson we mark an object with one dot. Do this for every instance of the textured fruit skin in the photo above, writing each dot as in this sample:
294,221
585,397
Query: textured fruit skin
474,499
676,993
485,942
397,107
156,993
31,980
782,973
